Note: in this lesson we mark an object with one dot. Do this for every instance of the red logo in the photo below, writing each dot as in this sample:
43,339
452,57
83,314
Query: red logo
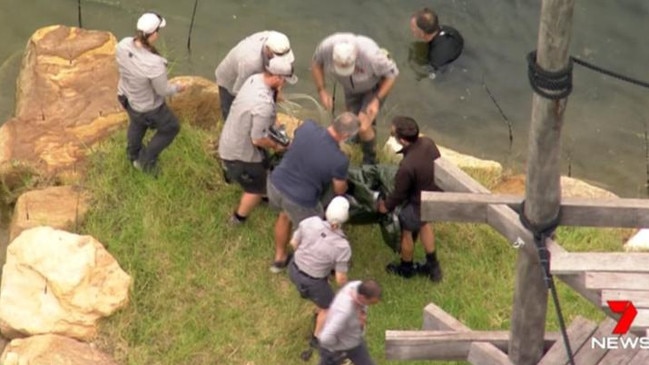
628,311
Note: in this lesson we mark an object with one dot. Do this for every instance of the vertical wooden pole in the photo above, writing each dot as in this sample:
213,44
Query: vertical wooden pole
543,189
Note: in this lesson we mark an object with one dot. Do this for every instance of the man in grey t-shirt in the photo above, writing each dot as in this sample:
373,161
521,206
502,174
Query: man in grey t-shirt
248,57
320,248
367,74
245,134
342,335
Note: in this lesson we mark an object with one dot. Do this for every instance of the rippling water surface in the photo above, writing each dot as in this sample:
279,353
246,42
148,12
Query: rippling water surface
606,120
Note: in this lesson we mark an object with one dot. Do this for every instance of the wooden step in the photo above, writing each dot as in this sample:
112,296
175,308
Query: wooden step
579,332
446,345
616,262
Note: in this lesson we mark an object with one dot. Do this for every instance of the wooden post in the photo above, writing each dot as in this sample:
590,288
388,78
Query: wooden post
543,190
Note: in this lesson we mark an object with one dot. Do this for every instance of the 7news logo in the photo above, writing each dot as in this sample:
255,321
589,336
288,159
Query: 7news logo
628,313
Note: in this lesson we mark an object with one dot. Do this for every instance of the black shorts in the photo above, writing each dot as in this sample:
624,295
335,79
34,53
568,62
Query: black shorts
250,175
409,218
316,290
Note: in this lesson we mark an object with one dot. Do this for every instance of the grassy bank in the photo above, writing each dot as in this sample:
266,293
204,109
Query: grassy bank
202,291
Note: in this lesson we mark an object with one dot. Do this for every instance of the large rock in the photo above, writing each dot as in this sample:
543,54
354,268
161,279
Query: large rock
290,123
65,103
639,241
52,350
199,104
61,207
465,162
58,282
570,187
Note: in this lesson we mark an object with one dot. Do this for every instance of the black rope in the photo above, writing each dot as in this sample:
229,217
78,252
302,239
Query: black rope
333,101
79,12
541,233
191,27
551,85
609,73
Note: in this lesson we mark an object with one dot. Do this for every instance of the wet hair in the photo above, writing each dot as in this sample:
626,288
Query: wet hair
346,124
406,128
426,20
370,289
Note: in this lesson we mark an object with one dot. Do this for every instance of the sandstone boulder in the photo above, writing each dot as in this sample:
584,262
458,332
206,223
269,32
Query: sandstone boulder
60,283
570,187
465,162
65,103
199,104
289,122
61,207
639,241
52,350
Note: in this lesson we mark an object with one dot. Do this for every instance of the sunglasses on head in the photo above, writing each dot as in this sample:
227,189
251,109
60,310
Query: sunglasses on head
159,19
282,53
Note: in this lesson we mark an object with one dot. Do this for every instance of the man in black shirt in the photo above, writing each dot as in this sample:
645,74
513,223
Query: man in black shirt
445,43
416,173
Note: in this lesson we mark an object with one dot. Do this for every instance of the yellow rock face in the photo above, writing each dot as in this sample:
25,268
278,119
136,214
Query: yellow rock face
59,282
52,350
65,102
62,207
199,104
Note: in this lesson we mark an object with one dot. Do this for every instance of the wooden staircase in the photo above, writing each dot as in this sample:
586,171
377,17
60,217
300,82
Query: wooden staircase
609,276
599,277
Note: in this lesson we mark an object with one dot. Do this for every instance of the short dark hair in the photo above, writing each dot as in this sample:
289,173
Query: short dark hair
406,128
370,289
426,20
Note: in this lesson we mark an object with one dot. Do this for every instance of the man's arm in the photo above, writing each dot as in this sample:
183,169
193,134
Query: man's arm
339,186
335,324
342,265
259,130
297,237
339,175
385,86
317,71
162,87
267,142
402,183
341,278
372,108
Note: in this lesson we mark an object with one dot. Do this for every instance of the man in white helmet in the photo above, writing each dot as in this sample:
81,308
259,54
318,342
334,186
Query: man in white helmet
248,57
320,248
367,74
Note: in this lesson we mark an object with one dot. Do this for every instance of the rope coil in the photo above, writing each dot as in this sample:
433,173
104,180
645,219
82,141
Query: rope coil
551,85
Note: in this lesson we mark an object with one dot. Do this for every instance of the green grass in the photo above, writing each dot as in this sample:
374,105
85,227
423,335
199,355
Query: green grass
202,291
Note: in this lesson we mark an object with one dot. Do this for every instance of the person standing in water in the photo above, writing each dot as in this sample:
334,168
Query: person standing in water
445,43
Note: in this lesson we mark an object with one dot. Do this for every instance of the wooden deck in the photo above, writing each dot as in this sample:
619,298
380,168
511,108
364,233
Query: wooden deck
445,338
598,277
586,342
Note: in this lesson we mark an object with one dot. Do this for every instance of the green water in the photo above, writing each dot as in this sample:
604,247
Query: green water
603,135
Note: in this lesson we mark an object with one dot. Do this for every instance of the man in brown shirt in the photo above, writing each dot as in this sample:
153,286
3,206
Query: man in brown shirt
416,173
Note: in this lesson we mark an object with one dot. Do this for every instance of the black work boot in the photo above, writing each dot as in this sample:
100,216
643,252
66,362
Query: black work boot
432,270
404,269
369,152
